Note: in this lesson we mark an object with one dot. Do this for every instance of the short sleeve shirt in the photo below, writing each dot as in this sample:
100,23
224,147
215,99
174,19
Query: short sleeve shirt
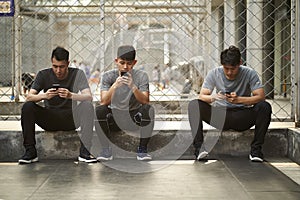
246,81
76,81
123,98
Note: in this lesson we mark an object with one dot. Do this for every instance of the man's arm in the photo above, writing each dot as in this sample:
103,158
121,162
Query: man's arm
257,96
34,96
84,95
142,97
106,95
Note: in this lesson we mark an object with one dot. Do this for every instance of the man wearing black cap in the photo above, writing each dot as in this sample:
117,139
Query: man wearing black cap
124,103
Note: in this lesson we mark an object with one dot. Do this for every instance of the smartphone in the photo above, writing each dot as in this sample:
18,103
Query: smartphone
123,73
228,93
55,86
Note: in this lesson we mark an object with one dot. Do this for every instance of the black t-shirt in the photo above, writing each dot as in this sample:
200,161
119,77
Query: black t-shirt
76,81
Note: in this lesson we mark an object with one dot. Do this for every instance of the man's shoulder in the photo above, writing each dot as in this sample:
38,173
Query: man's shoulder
45,71
139,72
110,72
74,70
216,70
247,70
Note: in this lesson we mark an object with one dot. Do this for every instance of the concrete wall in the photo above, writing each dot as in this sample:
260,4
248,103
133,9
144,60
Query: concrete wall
164,144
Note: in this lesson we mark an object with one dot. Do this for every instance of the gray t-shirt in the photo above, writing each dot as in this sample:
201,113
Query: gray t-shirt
246,81
123,98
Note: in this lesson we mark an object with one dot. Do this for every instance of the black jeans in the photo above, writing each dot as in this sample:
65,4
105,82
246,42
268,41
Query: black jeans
108,120
57,120
239,119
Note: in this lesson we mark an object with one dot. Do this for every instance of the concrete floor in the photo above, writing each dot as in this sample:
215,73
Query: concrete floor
224,178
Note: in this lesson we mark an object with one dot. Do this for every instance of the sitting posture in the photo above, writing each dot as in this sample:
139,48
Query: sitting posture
62,88
124,103
238,103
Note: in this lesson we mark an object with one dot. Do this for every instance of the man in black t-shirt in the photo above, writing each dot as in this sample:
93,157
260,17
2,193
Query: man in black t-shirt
67,98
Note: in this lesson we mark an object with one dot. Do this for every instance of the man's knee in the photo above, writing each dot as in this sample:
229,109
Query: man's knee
196,105
101,112
87,105
147,112
28,106
264,107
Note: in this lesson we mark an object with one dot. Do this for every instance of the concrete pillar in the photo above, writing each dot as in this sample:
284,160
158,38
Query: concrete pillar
102,37
268,53
241,22
229,23
18,50
216,38
254,35
295,61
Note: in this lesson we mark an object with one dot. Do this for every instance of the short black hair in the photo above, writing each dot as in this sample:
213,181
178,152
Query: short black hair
231,56
126,52
60,54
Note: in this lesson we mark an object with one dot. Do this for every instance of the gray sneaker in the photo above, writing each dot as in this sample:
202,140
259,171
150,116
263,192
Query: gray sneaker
105,155
142,154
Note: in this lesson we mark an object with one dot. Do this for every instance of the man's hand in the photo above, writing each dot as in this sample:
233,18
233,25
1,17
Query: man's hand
64,93
218,96
52,92
127,80
232,97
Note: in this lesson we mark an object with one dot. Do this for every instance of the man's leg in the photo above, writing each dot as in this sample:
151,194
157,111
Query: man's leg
104,117
144,118
263,112
84,117
198,111
32,114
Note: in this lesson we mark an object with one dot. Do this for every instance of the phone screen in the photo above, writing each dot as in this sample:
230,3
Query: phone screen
55,85
123,73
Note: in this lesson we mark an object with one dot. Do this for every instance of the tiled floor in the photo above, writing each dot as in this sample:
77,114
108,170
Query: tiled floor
224,178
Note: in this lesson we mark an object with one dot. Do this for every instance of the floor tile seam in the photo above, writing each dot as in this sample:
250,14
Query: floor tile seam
238,181
44,182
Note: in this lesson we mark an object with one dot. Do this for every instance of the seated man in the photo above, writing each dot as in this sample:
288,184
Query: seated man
239,99
62,88
124,103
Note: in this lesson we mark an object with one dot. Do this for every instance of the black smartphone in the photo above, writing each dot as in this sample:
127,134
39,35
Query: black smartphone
123,73
55,86
228,93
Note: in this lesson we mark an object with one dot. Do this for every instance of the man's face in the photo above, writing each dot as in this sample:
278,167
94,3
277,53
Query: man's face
60,68
125,65
231,71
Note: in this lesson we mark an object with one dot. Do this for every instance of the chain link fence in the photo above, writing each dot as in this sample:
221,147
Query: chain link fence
177,43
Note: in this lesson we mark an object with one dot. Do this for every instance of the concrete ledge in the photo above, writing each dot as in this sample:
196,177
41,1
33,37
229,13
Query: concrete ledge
294,144
164,143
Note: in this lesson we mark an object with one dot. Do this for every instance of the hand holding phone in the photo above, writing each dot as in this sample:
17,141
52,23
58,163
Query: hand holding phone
55,86
123,73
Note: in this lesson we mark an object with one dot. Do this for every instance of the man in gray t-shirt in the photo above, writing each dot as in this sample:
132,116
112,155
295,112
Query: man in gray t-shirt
231,97
124,103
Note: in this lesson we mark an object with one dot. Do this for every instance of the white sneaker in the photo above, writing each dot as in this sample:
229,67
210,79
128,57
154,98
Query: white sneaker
202,155
255,158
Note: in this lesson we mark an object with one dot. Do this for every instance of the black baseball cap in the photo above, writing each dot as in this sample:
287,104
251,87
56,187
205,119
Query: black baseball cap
126,52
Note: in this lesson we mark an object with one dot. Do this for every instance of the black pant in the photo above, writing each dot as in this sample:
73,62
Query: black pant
239,119
113,120
57,120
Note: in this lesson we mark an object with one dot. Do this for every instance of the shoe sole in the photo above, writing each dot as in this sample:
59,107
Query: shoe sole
87,161
104,159
21,161
202,155
255,159
146,158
